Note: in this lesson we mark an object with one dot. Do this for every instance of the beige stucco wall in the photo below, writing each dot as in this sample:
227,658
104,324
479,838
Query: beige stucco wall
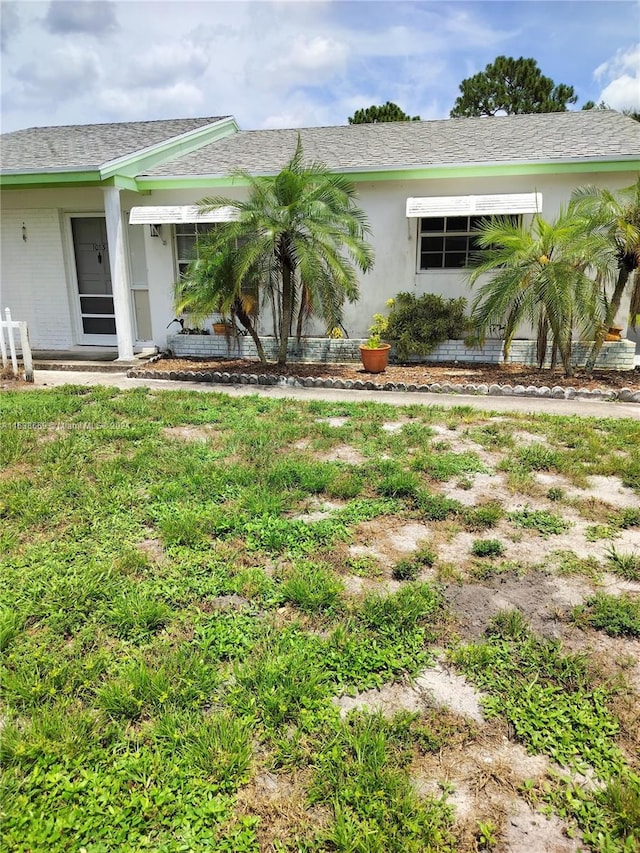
38,284
395,238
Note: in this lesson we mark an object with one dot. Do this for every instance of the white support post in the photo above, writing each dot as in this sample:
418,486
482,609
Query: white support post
12,343
3,346
119,273
26,352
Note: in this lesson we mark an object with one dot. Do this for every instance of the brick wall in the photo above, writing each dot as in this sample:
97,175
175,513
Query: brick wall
34,282
614,355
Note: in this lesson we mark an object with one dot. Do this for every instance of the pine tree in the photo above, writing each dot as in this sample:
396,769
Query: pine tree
386,112
511,86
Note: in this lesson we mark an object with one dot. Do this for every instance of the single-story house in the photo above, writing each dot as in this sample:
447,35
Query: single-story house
98,220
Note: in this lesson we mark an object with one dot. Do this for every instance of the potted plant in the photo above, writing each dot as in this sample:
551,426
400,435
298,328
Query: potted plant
222,327
374,352
614,333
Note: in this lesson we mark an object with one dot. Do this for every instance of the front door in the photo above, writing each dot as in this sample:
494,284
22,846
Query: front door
91,250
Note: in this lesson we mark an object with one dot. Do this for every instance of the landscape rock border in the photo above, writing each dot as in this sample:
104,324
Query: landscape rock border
217,377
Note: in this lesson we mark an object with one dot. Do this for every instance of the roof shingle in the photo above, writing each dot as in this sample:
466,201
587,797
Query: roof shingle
590,134
87,146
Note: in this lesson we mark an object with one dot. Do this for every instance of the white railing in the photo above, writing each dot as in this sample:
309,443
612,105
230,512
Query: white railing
8,348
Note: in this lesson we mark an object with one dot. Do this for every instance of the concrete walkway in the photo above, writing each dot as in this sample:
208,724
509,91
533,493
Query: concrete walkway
526,405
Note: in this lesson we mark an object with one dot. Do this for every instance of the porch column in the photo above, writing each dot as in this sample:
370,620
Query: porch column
119,273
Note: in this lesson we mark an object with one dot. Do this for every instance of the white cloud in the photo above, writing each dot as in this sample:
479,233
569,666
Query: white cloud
91,17
70,70
621,74
313,61
166,62
179,99
10,24
273,64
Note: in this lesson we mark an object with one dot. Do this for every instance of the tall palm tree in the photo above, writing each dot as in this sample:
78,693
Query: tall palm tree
611,221
538,276
300,236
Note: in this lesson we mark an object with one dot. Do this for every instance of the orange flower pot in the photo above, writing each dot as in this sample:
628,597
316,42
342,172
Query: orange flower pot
375,360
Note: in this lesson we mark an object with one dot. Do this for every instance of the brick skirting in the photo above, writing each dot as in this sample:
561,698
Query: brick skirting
615,355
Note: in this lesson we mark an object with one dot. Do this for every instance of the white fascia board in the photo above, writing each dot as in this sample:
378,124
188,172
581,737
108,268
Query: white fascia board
225,127
168,215
478,205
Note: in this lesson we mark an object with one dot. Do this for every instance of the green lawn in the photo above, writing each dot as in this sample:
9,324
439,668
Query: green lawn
176,622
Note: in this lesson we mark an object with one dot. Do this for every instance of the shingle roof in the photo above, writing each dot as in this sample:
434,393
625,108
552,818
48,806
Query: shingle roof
596,134
87,146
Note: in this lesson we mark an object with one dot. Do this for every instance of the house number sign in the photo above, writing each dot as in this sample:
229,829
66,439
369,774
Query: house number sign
99,248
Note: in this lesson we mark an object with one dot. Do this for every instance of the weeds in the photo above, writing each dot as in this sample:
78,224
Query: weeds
545,523
626,566
150,684
615,614
487,548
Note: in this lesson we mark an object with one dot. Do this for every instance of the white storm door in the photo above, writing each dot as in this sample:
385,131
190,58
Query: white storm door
93,276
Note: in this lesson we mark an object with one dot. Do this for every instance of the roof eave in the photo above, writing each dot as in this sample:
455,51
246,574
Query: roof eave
146,158
505,167
123,168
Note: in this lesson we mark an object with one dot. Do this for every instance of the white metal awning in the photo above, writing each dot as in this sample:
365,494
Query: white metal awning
179,213
475,205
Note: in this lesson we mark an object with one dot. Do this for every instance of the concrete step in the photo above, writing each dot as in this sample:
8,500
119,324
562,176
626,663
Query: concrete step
93,366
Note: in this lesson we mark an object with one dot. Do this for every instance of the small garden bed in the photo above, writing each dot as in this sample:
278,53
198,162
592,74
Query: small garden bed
417,374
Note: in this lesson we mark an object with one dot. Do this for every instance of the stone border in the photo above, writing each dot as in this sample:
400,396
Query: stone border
217,377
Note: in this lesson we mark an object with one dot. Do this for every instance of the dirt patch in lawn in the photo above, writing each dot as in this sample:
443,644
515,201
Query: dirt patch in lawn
189,433
483,781
422,374
281,802
541,598
438,686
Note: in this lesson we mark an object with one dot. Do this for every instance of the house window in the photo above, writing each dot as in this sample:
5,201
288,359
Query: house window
188,237
449,242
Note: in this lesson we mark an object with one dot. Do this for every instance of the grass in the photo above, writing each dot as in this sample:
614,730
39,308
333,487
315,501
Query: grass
626,565
487,548
547,698
173,627
615,614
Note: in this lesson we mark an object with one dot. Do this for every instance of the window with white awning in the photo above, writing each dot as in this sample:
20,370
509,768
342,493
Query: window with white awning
448,226
175,214
474,205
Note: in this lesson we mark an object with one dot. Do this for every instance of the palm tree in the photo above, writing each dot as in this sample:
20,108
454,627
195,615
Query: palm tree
538,277
612,222
299,236
210,285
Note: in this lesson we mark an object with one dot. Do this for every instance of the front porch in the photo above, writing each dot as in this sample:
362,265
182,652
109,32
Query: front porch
94,358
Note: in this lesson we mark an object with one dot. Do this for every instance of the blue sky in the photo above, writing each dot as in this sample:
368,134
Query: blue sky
288,63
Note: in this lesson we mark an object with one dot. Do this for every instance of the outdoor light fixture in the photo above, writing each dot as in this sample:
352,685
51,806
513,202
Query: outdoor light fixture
24,232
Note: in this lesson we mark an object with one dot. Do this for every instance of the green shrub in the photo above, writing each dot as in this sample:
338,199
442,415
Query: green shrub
418,325
624,565
546,523
409,568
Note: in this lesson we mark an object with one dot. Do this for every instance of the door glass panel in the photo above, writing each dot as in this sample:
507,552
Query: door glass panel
143,315
99,325
96,304
138,256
